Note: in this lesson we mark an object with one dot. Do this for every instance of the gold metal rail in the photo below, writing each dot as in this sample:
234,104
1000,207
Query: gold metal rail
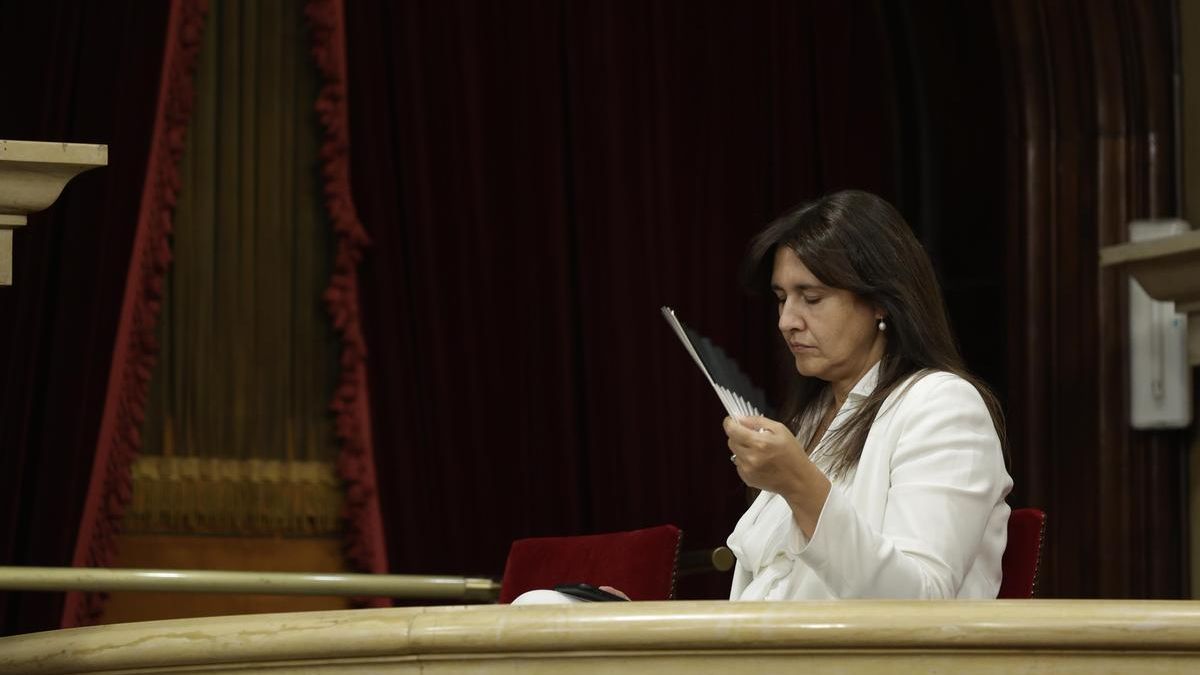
409,586
412,586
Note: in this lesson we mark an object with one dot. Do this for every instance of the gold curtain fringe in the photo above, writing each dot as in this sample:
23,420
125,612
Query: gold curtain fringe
196,495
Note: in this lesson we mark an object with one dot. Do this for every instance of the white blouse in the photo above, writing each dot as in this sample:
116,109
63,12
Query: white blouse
922,515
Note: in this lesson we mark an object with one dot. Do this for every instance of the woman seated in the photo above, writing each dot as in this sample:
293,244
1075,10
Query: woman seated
886,476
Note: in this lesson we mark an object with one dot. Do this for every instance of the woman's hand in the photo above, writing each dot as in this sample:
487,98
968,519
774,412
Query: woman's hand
773,460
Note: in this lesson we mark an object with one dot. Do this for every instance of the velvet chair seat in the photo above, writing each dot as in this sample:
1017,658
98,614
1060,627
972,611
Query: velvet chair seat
1026,532
642,563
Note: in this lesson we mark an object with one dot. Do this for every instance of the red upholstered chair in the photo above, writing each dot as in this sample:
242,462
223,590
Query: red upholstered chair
641,563
1026,531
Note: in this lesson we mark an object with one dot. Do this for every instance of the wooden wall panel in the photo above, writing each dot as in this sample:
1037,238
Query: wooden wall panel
1089,108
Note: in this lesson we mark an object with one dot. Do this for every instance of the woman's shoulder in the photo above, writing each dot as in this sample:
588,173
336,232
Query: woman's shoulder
935,388
937,410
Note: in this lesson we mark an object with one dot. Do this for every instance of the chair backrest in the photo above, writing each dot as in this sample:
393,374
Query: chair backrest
1026,532
641,563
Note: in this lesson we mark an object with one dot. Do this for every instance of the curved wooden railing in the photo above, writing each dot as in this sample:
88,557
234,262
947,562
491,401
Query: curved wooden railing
666,637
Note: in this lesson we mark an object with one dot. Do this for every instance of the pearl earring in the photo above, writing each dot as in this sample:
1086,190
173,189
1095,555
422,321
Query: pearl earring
882,325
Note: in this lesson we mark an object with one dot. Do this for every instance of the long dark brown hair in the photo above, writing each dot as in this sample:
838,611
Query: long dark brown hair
857,241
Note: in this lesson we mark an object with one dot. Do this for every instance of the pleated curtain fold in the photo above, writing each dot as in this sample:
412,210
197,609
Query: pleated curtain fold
238,436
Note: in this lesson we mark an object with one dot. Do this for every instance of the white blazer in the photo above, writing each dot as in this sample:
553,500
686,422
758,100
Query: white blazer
922,515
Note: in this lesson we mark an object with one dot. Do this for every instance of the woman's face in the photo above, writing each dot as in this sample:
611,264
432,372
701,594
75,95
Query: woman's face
832,333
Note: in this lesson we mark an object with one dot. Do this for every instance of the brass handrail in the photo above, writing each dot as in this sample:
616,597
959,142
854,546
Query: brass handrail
412,586
719,559
409,586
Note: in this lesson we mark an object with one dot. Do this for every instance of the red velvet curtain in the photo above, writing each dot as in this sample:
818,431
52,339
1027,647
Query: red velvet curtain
538,177
85,72
135,352
364,538
135,349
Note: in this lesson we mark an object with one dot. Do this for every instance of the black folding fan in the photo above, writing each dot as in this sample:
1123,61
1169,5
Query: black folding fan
739,396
